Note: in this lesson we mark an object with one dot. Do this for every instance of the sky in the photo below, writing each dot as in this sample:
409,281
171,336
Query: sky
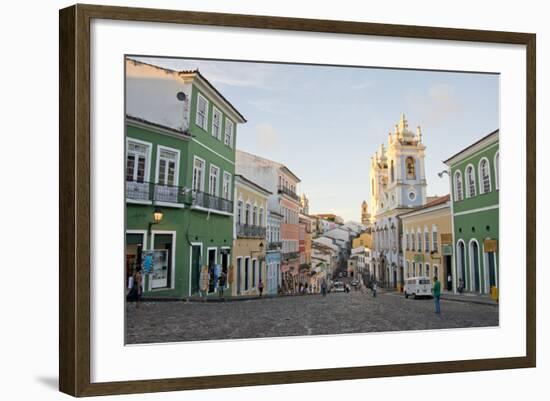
326,122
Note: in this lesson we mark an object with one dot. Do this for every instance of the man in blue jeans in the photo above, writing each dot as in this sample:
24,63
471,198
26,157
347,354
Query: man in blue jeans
436,290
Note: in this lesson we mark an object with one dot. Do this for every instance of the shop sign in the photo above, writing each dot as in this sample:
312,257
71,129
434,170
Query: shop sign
490,245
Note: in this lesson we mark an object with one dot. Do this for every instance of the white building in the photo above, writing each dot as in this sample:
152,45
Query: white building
398,184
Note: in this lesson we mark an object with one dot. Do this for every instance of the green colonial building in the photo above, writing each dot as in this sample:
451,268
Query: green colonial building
180,167
474,173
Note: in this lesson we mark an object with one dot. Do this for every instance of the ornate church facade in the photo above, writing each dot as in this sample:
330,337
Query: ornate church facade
397,185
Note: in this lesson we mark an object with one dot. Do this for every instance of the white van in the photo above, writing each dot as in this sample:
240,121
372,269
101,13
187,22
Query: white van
418,287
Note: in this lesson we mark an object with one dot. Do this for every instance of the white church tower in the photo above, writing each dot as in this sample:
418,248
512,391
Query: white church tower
398,174
397,185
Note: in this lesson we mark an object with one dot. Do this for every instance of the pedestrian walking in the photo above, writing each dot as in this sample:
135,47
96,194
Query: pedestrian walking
449,282
460,286
324,289
374,289
204,282
136,290
436,290
261,287
221,284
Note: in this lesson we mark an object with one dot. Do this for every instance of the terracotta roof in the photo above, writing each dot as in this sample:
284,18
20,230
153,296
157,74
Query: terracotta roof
439,201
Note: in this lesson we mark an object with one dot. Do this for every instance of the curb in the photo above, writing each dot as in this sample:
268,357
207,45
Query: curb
222,300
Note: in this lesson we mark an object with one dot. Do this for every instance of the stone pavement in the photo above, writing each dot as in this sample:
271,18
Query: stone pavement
337,313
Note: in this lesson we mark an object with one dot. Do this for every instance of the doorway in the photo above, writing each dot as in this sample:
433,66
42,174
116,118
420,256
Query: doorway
195,268
449,272
212,269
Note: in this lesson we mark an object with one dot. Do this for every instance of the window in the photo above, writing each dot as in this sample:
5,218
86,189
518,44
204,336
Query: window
261,217
255,216
202,112
226,185
497,170
247,214
240,212
137,155
471,181
214,180
228,139
168,161
419,245
427,270
217,124
484,176
426,240
392,172
412,242
458,186
411,169
435,242
198,174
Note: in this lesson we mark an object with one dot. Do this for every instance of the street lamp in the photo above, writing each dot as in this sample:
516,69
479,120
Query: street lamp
157,217
261,246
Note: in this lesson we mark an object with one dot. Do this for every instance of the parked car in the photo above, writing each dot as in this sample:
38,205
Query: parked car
340,274
418,287
338,286
355,282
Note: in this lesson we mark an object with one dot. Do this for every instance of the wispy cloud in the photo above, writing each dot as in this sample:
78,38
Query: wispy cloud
438,104
362,85
266,137
244,75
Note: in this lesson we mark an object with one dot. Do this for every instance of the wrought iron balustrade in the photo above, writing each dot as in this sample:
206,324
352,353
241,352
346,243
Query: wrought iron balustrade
289,192
250,231
150,192
208,201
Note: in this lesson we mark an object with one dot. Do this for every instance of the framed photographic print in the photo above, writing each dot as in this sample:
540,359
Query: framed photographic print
250,200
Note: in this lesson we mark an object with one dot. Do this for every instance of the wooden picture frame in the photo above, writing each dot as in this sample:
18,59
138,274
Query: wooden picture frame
75,210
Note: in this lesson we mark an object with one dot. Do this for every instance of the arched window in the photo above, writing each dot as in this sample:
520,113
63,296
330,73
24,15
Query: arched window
411,169
392,172
247,214
484,176
435,242
426,240
240,212
470,182
497,170
459,195
419,238
261,217
255,216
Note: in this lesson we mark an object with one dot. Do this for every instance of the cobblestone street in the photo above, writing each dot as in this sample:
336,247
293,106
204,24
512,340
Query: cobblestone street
337,313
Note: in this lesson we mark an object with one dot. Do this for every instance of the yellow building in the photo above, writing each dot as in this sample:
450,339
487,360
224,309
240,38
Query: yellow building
364,239
248,267
427,242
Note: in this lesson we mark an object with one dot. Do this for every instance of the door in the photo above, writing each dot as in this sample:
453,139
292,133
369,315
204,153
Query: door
239,275
474,250
491,265
162,267
212,269
449,272
195,268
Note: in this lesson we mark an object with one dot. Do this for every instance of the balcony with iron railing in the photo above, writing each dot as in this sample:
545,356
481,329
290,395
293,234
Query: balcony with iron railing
207,201
148,192
250,231
289,192
289,256
274,246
